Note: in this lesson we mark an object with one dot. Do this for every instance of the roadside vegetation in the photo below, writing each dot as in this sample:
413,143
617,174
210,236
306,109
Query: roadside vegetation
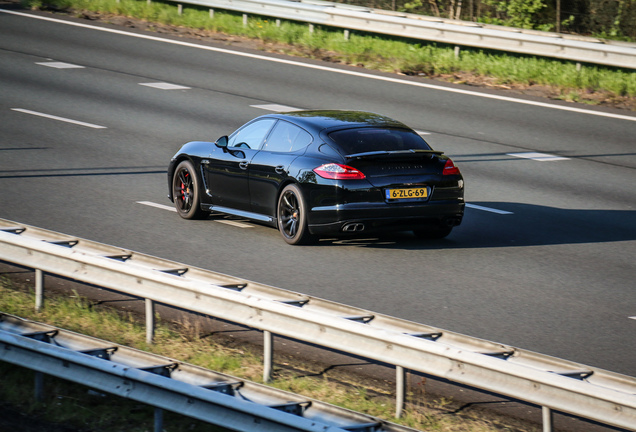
73,408
563,80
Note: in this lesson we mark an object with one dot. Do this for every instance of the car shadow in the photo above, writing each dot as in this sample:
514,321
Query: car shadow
515,224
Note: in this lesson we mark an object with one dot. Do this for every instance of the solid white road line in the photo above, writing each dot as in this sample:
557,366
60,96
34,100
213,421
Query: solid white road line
330,69
62,119
488,209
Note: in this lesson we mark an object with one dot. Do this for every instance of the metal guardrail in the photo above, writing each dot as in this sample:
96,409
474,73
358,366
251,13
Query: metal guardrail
552,383
170,385
454,32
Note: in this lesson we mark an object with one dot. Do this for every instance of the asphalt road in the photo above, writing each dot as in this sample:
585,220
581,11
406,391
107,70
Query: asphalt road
545,258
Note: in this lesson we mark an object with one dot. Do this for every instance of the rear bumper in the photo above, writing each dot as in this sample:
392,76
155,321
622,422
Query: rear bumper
349,218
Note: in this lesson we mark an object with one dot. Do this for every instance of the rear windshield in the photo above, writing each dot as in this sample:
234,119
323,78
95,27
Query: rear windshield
362,140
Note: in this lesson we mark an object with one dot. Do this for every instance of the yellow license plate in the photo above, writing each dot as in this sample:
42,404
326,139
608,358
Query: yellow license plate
409,193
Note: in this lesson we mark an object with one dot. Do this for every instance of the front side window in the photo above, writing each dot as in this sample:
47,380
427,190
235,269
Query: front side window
287,137
251,135
362,140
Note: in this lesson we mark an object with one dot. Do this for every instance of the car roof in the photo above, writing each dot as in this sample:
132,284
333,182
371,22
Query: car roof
319,120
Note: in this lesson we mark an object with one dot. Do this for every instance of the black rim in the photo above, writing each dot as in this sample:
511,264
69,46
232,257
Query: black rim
289,213
183,190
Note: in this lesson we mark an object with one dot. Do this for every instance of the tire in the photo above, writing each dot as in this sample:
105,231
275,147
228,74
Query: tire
186,193
433,232
292,216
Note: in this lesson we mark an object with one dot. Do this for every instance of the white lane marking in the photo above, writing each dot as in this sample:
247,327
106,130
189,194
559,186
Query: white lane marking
60,65
634,317
235,223
488,209
542,157
330,69
422,132
63,119
172,209
160,206
276,108
243,225
165,86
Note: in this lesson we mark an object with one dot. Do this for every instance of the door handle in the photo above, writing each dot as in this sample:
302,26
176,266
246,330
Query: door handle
243,165
280,169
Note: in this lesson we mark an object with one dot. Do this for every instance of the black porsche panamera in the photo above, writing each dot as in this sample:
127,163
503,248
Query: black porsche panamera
321,173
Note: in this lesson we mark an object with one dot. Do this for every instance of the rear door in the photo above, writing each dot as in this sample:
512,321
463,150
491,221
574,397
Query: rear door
270,166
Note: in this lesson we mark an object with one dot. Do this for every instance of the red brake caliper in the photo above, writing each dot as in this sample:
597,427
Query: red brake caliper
183,189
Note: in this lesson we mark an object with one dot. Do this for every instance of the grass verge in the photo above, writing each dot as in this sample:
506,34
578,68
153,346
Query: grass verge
551,78
70,407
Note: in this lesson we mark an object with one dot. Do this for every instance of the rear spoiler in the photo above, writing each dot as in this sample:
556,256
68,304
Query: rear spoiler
396,153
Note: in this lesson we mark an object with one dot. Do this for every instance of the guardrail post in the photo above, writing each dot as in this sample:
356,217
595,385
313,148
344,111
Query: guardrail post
158,420
400,390
211,13
311,28
277,23
346,34
39,386
39,289
547,419
180,9
457,48
268,355
150,321
244,20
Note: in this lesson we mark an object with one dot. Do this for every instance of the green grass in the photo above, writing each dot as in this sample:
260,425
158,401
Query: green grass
73,405
387,54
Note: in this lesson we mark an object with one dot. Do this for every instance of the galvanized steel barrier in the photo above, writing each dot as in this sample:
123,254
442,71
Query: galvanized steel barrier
170,385
552,383
579,49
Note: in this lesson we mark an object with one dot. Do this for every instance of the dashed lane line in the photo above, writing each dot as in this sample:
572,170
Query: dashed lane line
62,119
172,209
235,223
331,69
244,225
285,108
60,65
541,157
488,209
160,206
165,86
276,108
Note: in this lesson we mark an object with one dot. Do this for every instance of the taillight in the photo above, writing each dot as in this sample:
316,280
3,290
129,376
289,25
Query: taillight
450,168
336,171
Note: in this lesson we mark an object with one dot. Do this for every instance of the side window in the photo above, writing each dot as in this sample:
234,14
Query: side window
286,137
252,135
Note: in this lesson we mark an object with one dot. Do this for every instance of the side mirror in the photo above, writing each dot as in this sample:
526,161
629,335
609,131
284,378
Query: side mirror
221,142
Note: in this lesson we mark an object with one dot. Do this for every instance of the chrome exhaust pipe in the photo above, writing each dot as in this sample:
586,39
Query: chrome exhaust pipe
353,227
